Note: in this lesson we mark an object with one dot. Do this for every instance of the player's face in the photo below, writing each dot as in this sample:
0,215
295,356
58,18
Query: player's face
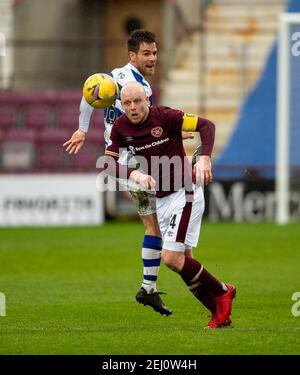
136,105
145,59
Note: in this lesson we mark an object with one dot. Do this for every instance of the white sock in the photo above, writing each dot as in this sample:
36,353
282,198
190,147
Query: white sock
151,255
224,287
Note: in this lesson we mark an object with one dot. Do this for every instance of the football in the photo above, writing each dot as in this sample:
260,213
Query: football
100,90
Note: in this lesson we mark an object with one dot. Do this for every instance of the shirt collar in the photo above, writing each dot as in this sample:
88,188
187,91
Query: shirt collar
130,66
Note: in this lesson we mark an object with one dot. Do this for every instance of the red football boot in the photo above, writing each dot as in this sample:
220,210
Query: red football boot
224,304
215,323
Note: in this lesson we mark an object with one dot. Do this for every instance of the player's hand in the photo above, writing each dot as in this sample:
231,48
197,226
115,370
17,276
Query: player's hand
202,170
74,144
187,135
146,181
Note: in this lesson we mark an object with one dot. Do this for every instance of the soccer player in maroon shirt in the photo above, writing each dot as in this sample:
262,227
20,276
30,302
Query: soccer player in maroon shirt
154,137
142,55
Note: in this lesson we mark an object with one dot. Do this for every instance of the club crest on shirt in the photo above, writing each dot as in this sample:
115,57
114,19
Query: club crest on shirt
157,131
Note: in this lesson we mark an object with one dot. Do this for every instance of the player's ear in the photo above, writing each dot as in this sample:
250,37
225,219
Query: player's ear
132,56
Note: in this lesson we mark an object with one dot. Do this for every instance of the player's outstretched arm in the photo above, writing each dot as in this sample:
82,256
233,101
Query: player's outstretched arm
74,144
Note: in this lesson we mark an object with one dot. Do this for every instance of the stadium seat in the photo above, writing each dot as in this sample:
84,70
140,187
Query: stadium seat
18,150
8,116
10,98
36,117
50,152
95,136
86,160
97,121
20,135
38,109
67,104
45,97
87,157
67,116
65,97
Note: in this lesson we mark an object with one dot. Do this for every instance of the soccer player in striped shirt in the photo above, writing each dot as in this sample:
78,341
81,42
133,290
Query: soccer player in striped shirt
142,53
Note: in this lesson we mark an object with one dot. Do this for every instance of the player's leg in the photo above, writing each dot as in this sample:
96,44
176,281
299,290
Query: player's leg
185,210
210,291
205,296
196,277
152,243
213,293
151,251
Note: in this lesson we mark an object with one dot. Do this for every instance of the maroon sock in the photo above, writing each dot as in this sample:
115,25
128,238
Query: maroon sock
204,286
206,298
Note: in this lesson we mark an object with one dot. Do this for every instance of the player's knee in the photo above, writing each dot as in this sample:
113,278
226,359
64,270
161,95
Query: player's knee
171,260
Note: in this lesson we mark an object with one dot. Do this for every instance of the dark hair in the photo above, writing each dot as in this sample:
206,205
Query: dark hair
139,36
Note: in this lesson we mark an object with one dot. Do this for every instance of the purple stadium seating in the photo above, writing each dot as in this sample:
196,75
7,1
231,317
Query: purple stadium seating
64,97
67,117
39,97
97,120
8,116
11,98
18,150
20,135
34,125
93,147
36,117
37,111
95,136
50,152
86,160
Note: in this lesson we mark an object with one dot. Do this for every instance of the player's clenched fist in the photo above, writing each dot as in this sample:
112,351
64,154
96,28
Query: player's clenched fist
202,170
146,181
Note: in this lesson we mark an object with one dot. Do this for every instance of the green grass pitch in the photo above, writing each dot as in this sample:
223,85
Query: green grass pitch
71,291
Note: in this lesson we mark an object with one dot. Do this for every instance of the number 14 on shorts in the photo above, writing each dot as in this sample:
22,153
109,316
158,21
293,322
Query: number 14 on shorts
173,222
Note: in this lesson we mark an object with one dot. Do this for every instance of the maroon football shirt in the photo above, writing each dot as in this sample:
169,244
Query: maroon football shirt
159,140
